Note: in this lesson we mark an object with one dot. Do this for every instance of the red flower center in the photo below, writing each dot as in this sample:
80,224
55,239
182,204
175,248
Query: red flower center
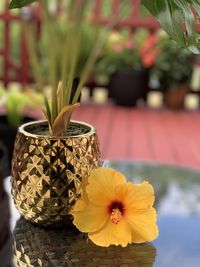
116,210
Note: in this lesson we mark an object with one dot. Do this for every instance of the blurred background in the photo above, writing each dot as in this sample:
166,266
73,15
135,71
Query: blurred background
142,95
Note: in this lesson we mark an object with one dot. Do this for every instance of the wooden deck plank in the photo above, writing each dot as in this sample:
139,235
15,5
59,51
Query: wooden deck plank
178,139
158,137
139,145
191,127
144,134
117,147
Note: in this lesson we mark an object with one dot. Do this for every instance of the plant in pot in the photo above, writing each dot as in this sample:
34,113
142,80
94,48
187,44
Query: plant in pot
124,65
5,236
51,157
15,105
173,68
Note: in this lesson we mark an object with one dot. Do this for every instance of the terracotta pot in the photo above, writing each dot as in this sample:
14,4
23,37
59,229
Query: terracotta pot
47,171
175,98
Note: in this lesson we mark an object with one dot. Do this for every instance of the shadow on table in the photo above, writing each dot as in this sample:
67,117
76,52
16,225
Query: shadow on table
34,246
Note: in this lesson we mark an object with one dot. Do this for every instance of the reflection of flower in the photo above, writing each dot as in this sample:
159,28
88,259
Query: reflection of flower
114,211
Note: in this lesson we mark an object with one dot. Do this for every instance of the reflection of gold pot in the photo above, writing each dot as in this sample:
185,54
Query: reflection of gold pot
47,171
34,247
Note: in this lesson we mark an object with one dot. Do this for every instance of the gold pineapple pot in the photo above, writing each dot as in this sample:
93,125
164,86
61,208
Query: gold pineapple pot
47,171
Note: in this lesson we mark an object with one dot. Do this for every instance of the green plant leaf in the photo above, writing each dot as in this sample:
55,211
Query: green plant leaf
169,16
177,19
20,3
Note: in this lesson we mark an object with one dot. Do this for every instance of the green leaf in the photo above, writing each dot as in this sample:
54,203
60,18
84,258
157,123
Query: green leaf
177,19
169,16
20,3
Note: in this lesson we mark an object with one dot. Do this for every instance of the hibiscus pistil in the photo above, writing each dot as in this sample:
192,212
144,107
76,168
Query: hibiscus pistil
115,216
116,211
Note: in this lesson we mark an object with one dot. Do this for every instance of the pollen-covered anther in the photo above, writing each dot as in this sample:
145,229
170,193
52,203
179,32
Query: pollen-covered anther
115,216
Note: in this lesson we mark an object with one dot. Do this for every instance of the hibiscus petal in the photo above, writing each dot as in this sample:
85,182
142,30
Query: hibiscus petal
143,225
138,196
90,219
81,203
112,234
102,183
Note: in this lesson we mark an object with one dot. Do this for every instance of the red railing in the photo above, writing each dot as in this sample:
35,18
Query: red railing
132,20
19,72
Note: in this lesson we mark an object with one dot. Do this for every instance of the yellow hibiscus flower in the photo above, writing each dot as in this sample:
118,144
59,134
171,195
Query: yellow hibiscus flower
115,212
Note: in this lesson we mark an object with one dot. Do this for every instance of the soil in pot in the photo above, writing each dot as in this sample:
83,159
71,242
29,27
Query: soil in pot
8,134
74,129
127,86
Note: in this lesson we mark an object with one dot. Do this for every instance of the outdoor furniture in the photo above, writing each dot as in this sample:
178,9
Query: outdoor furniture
178,207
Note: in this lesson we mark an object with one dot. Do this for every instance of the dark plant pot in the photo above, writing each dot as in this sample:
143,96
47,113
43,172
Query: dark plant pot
6,253
4,168
4,171
175,98
8,134
127,86
5,236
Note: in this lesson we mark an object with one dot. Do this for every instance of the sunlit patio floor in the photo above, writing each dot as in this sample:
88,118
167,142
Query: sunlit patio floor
145,134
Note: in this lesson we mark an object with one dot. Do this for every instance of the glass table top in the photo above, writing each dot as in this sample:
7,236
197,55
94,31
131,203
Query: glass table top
177,192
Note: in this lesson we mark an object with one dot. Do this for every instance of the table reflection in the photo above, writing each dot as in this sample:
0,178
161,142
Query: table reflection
34,246
178,205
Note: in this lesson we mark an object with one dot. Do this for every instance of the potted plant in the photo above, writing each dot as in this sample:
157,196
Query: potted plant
124,65
5,237
173,68
51,157
14,104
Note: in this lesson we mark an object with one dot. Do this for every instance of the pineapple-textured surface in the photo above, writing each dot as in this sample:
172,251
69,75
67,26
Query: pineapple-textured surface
47,172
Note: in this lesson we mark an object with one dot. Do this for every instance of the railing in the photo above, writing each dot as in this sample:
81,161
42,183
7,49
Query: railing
11,71
19,72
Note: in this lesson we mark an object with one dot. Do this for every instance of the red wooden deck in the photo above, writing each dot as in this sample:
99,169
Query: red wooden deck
144,134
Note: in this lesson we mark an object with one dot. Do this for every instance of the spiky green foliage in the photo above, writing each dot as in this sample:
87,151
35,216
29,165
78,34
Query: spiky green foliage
63,51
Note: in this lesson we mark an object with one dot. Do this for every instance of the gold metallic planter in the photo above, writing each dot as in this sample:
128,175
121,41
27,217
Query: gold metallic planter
47,171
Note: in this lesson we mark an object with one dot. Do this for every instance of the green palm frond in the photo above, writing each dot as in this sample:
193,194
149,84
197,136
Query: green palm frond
21,3
179,19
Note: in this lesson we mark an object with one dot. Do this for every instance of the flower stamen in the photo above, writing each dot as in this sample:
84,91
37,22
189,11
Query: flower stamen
115,216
